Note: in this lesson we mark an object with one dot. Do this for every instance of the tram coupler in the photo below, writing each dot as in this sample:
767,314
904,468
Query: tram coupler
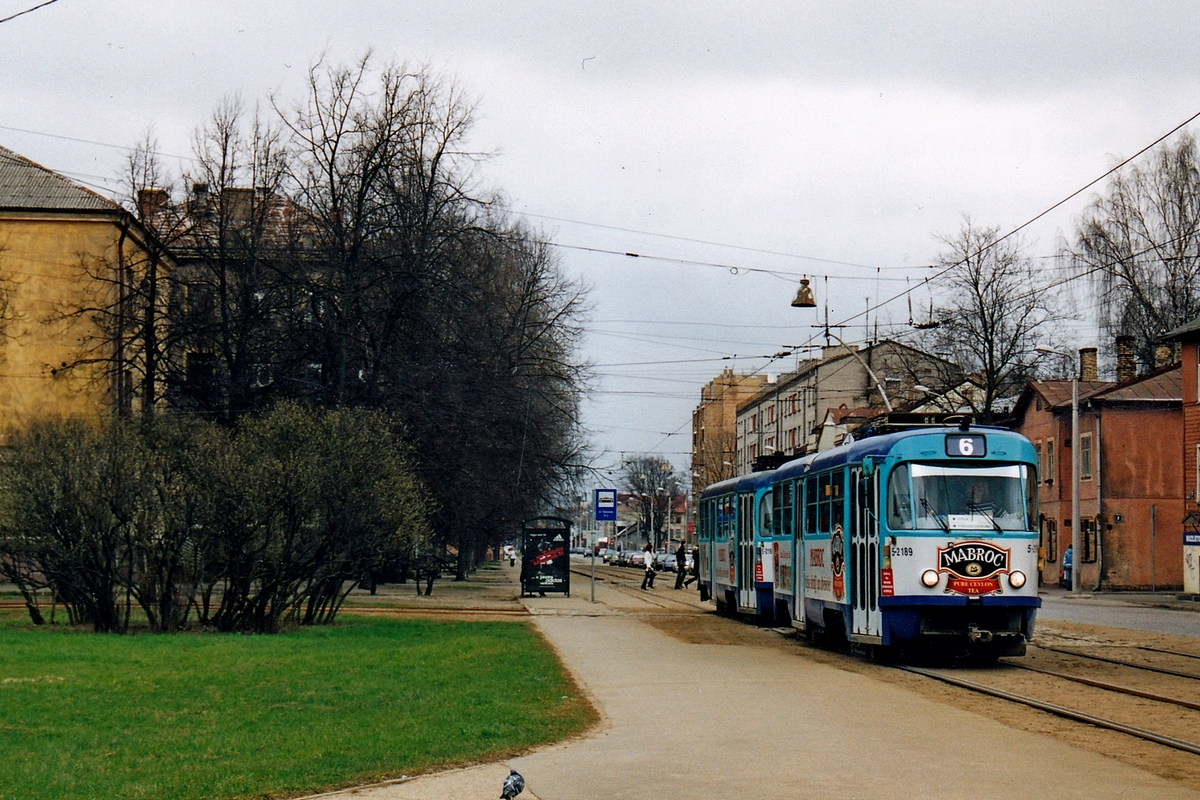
978,636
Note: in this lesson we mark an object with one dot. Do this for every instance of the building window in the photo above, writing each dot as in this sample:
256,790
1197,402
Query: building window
1050,537
1037,446
1085,457
771,415
1049,472
1038,403
1087,536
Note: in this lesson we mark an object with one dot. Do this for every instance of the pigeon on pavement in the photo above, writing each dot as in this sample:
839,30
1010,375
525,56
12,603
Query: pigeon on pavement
514,784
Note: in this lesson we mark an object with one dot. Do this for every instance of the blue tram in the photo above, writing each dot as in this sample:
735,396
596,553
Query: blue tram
735,537
922,538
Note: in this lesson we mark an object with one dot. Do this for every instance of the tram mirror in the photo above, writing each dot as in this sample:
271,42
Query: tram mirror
868,466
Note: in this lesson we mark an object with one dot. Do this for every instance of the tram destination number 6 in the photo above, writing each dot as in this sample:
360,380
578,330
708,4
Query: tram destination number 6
968,446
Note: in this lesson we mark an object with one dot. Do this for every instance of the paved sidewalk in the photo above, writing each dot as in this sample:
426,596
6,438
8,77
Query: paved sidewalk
714,720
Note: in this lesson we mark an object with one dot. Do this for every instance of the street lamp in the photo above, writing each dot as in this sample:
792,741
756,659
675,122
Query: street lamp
805,299
1076,527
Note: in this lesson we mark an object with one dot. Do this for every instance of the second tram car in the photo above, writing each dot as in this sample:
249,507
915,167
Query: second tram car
917,539
736,548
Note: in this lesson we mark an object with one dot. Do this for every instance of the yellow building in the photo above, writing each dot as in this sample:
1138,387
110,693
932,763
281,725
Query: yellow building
73,289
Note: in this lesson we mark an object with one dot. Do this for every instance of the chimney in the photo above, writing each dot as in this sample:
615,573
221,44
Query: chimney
151,202
238,203
1088,371
1126,359
1162,355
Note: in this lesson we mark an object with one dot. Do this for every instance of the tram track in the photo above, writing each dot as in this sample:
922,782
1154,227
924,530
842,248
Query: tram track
1057,710
1123,663
620,579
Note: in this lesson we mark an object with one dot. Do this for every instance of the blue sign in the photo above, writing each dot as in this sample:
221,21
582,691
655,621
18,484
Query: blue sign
606,505
1191,538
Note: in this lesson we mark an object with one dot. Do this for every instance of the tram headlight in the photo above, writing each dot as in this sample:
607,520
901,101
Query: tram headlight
1016,579
930,578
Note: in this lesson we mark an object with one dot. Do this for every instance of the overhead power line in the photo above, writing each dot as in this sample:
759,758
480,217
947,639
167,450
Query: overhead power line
1020,227
28,10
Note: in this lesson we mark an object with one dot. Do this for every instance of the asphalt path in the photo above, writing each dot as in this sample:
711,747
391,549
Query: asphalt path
1121,612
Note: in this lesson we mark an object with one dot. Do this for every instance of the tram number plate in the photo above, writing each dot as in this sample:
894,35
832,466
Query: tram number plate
966,445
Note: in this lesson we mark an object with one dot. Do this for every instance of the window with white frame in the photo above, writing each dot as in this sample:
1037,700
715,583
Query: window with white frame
1085,457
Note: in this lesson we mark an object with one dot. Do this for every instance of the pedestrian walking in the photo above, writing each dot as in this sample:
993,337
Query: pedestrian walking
1068,564
648,580
680,565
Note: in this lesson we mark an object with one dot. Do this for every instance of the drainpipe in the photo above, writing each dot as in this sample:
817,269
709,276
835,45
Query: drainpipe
1099,508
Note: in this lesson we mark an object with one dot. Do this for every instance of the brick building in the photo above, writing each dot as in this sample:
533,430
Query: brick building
1131,474
1186,341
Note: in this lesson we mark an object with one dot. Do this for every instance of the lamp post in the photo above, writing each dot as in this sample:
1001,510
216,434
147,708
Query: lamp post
805,299
1076,527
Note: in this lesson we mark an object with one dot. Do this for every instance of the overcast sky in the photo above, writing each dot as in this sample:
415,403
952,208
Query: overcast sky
843,137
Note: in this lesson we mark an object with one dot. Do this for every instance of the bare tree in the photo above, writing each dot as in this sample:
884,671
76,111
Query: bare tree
1140,241
998,309
651,479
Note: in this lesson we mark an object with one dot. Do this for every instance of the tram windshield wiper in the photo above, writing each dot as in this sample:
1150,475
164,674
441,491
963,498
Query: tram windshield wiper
976,508
931,512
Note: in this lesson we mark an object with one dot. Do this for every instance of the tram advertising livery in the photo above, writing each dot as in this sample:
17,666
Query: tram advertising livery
919,539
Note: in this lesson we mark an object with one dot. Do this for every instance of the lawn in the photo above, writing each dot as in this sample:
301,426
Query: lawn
224,716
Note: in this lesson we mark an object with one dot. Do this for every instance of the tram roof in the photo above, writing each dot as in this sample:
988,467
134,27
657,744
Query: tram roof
743,483
880,445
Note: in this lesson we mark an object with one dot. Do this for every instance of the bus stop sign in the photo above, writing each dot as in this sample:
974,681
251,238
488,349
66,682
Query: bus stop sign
545,564
606,505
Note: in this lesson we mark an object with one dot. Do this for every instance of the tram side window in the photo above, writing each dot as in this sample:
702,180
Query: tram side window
777,510
784,498
810,506
837,504
899,503
1031,496
824,492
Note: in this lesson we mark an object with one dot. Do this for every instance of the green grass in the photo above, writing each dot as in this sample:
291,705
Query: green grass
223,716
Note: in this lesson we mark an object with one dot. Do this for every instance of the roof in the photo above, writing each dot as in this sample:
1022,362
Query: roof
27,186
1058,393
1164,385
1188,330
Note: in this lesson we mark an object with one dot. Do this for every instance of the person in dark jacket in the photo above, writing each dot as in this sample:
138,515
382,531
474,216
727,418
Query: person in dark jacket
680,565
695,576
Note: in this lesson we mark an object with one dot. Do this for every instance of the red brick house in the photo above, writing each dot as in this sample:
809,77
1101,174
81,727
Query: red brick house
1131,474
1187,339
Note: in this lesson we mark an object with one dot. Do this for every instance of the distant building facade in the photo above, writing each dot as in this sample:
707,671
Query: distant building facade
71,268
787,414
714,427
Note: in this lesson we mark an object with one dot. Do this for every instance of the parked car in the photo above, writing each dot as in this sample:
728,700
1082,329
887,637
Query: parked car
636,558
664,562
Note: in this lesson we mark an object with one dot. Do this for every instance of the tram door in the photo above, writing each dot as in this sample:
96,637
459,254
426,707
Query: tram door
864,553
745,551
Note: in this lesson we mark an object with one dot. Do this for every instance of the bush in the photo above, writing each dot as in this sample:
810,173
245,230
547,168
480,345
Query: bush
275,521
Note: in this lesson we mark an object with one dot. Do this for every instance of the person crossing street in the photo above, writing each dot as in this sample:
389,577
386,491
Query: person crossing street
648,580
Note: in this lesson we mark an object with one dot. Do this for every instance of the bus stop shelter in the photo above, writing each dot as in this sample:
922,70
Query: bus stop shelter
545,561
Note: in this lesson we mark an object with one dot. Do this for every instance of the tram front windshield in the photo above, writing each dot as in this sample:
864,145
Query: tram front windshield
932,497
